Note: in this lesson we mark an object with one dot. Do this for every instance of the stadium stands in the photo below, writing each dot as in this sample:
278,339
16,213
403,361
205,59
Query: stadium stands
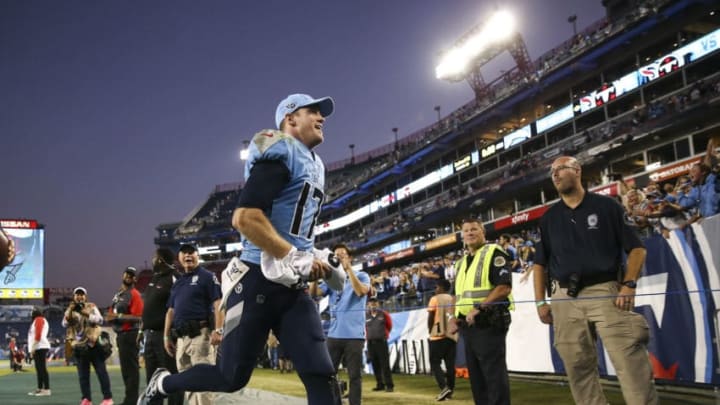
618,95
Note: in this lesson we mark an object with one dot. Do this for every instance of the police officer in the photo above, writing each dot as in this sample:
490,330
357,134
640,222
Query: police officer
584,237
125,316
193,311
482,291
156,296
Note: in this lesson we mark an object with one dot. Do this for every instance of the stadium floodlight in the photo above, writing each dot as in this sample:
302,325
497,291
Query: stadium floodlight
453,64
457,61
500,26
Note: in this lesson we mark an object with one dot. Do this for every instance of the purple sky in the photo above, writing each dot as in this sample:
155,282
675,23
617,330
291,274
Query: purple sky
118,116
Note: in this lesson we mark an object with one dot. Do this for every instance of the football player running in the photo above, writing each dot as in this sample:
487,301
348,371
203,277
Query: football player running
276,214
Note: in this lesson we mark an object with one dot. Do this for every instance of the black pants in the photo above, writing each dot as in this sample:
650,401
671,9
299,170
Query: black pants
485,357
94,357
43,379
350,351
129,365
156,357
379,356
443,350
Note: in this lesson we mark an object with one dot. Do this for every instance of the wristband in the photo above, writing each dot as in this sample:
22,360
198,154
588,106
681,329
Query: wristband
541,303
119,316
166,338
219,331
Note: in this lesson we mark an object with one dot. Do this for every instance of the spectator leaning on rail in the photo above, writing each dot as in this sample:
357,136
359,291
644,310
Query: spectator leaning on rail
705,193
584,238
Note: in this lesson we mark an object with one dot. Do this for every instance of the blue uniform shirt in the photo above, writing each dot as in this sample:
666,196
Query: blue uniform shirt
705,197
193,294
347,310
295,210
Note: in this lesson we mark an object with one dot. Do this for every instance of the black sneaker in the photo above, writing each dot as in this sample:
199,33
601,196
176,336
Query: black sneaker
389,389
378,388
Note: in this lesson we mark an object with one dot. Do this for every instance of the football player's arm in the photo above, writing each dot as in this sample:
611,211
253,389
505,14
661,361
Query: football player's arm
266,181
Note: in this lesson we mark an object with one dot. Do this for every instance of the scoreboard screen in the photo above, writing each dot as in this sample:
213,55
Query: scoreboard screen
24,277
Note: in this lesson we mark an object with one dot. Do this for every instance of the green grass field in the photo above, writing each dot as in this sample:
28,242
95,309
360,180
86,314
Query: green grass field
409,389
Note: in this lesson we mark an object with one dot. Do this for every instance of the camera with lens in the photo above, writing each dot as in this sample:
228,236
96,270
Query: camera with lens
574,285
79,306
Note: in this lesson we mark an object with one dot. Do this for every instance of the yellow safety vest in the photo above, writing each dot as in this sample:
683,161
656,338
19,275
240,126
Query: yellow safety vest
472,286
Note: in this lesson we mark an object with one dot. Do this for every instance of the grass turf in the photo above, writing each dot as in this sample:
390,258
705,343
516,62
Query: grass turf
409,389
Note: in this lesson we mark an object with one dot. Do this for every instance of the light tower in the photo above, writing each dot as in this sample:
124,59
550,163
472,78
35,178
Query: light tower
479,46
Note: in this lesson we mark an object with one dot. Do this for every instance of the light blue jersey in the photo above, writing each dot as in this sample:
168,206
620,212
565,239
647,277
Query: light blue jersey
295,210
347,310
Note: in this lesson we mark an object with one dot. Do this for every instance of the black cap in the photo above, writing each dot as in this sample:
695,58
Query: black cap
188,248
131,270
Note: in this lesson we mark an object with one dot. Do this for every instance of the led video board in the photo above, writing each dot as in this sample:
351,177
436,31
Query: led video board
24,277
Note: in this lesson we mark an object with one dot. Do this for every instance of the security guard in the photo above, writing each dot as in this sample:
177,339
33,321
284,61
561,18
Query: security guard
482,292
194,303
156,296
587,245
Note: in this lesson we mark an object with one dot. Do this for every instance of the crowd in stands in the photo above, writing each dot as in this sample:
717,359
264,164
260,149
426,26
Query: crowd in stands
508,83
214,213
621,129
656,208
660,207
410,286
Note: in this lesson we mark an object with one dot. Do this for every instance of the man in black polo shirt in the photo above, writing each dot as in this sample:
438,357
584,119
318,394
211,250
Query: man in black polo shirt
156,296
584,237
193,304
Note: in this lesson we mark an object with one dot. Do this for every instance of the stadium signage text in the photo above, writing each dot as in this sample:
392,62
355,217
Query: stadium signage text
520,218
674,170
661,67
19,223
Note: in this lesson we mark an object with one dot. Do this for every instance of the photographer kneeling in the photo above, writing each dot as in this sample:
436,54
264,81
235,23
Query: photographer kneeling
82,320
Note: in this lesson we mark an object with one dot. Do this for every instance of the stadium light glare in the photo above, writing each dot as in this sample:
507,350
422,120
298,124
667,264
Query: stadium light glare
456,61
453,64
499,27
245,151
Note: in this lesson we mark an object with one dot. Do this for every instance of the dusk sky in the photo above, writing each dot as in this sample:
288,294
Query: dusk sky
116,116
